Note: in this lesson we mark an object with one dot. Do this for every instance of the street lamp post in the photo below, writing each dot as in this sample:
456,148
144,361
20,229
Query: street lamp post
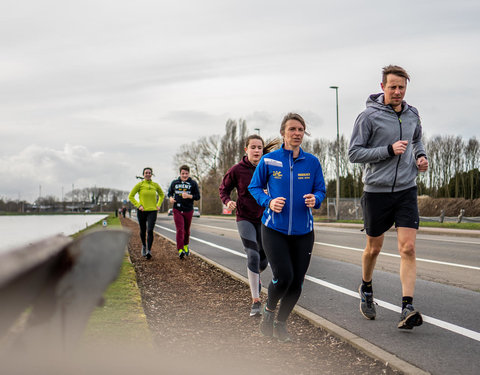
337,203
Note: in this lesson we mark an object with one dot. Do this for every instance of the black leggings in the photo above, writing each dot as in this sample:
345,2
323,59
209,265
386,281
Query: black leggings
147,220
289,258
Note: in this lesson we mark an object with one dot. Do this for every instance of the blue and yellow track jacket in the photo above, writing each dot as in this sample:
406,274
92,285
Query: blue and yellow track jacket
282,176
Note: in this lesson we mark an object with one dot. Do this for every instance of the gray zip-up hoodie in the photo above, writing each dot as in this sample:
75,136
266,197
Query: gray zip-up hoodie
375,129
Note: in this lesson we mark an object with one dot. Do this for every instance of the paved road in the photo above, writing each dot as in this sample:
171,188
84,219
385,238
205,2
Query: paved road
449,340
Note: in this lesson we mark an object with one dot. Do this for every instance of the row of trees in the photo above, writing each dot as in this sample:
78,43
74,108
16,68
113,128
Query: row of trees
454,164
7,205
96,195
454,167
93,198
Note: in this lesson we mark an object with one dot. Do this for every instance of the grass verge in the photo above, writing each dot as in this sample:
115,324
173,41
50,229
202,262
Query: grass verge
121,319
112,221
472,226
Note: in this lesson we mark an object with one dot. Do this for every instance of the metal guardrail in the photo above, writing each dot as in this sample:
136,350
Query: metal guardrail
57,283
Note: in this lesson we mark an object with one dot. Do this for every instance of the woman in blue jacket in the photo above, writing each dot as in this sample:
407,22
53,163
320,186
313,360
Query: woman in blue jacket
294,184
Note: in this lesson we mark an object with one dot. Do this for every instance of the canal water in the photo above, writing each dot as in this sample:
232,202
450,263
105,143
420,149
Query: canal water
16,231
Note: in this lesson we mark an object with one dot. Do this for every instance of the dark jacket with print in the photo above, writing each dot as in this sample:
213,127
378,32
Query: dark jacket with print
177,187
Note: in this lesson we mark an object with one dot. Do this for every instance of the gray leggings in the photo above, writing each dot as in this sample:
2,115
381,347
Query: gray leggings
250,233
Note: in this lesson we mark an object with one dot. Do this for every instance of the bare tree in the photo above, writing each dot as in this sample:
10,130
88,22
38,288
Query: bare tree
232,144
49,200
320,150
472,156
201,156
434,152
458,161
344,163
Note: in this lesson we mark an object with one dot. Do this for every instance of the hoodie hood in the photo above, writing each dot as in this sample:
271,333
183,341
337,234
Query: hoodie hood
375,129
377,101
246,163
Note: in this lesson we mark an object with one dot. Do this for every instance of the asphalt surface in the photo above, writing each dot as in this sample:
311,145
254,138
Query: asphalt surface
449,340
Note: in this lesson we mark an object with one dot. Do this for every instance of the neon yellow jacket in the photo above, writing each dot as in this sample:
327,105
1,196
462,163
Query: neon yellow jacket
147,192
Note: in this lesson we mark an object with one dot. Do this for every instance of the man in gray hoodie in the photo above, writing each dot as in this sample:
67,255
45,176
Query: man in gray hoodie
387,139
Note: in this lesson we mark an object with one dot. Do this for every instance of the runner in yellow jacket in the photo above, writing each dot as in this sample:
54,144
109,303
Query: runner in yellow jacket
147,208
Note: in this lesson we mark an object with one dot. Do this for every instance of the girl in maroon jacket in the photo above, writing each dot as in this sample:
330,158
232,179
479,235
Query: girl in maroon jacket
248,212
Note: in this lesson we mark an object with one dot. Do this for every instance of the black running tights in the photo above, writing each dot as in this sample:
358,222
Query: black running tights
147,220
289,258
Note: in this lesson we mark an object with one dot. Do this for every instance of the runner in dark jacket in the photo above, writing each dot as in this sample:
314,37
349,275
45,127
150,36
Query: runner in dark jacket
182,192
248,212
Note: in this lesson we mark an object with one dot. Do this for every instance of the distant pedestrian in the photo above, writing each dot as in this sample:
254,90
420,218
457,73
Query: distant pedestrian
248,212
183,192
295,184
387,139
124,211
150,199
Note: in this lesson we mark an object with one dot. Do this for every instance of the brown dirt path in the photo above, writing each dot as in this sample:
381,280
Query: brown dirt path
199,319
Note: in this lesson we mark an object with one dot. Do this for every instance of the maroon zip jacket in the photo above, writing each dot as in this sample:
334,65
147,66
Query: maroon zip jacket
239,177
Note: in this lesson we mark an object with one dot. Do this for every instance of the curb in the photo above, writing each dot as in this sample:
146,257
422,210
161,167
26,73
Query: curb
357,342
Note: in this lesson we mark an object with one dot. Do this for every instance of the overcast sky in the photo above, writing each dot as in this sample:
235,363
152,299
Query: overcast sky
92,91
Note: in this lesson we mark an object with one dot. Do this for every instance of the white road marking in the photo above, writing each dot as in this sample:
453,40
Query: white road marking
437,322
211,226
243,255
398,256
420,236
383,253
428,319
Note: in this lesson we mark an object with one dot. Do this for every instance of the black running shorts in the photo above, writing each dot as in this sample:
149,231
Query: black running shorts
382,210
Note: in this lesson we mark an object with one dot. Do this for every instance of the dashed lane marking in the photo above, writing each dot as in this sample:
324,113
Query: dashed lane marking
398,256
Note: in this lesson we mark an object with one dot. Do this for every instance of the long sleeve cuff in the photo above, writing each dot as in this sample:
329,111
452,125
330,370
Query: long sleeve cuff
390,150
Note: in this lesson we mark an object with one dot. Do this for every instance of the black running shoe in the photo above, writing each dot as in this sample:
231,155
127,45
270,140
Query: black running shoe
280,331
266,325
149,255
144,251
256,309
181,253
367,305
410,318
